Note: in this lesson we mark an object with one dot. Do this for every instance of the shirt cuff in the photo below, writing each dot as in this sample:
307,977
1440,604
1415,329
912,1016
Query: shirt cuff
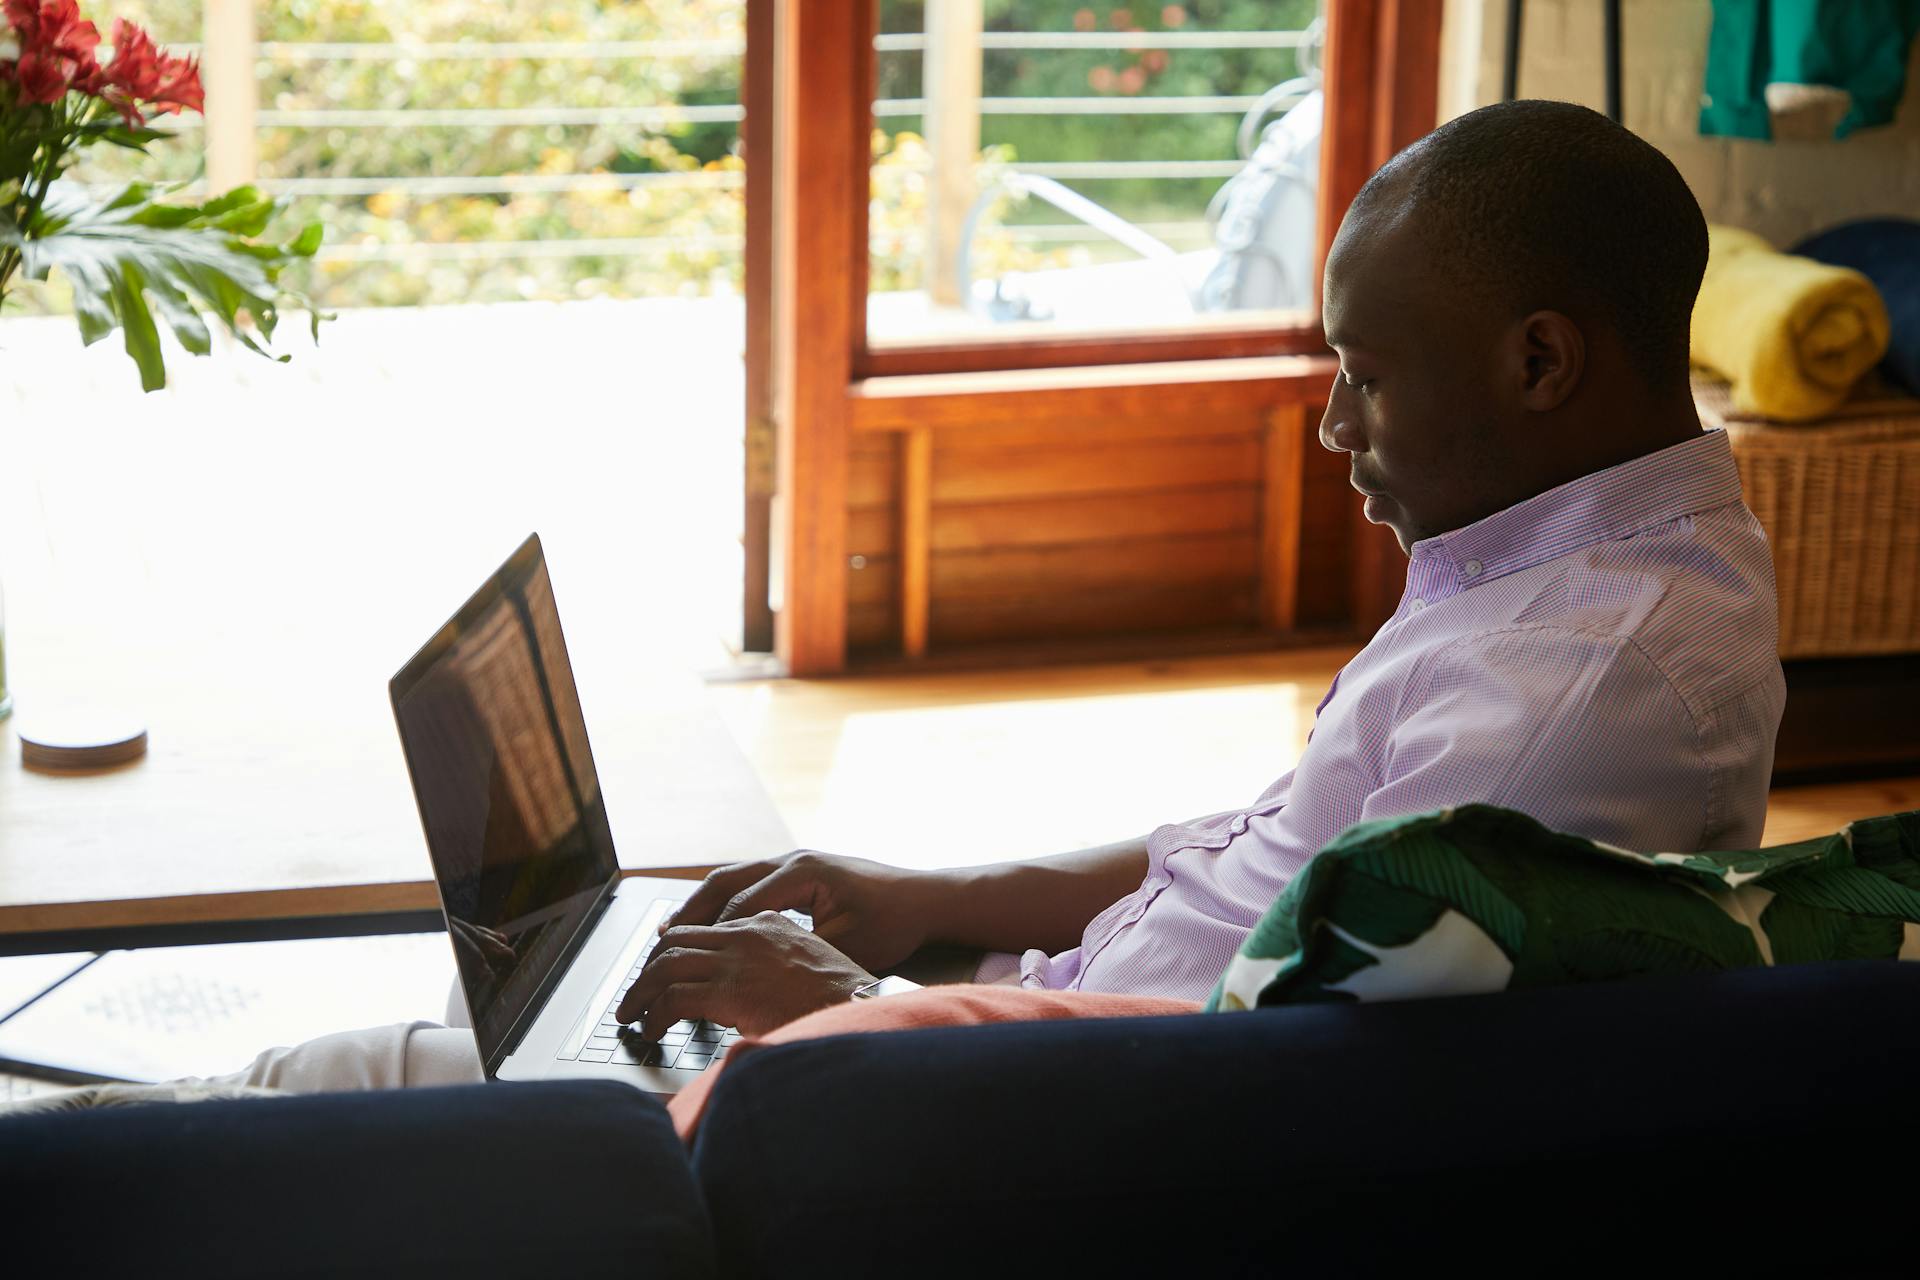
1042,972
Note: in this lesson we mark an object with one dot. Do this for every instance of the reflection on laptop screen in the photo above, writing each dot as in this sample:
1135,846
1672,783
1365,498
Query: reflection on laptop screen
516,826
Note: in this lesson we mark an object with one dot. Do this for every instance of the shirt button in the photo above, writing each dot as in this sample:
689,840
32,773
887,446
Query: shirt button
1418,605
1473,568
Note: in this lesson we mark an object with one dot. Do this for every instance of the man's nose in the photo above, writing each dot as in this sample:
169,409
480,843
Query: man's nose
1339,429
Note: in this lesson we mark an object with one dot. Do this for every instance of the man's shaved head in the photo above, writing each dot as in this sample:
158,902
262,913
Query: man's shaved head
1509,298
1537,205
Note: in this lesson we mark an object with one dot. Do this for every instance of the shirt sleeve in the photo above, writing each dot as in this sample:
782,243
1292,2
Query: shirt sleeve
1581,731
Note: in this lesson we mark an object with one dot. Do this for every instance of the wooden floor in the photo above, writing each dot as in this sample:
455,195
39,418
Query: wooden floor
954,768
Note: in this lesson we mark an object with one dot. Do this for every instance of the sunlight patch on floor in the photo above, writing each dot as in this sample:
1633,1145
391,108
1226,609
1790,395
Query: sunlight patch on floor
949,771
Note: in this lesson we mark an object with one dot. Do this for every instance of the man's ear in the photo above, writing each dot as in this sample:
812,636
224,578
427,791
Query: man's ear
1554,356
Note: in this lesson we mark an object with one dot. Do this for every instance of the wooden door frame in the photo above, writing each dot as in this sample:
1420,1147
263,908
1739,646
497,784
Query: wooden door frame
1383,88
821,382
760,448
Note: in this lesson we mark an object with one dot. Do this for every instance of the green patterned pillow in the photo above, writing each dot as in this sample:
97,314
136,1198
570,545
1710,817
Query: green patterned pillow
1482,899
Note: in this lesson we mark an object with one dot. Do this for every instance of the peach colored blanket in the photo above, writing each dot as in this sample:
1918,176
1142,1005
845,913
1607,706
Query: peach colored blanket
951,1006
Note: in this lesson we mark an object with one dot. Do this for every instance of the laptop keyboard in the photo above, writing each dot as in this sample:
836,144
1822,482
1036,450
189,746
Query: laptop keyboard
685,1046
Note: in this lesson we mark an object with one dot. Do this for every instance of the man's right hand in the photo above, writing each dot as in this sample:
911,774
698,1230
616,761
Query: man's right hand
874,914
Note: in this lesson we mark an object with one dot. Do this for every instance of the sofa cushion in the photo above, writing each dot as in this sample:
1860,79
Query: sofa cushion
1607,1129
1480,899
575,1178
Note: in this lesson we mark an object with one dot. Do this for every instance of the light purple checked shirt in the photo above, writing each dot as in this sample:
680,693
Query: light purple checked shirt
1603,656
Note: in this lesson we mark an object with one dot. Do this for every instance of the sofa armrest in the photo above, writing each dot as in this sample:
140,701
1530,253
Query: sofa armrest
1642,1127
555,1179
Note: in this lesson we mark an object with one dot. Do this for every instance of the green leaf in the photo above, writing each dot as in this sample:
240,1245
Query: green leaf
1379,912
128,294
128,256
1605,955
1800,933
307,242
1852,889
1438,869
1890,846
119,133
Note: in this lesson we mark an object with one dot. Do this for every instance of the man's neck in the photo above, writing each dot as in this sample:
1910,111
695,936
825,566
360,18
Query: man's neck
1601,436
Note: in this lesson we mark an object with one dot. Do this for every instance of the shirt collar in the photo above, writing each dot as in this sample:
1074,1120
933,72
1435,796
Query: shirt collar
1654,489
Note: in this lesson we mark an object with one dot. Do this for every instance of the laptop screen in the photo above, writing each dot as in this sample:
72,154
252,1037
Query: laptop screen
515,822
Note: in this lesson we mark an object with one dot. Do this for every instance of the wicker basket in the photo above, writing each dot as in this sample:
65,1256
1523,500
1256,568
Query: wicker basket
1840,501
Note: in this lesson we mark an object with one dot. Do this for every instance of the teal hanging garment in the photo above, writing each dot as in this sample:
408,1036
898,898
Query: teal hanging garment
1859,46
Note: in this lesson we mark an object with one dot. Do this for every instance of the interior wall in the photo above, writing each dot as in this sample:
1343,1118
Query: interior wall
1783,190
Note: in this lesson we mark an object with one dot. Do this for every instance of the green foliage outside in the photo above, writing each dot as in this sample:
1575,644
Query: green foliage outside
1068,73
684,235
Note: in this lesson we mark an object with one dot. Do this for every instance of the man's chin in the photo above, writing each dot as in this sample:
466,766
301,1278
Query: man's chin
1380,509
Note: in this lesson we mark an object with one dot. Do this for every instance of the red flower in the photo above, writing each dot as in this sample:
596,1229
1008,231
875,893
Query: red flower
56,49
53,27
140,73
41,77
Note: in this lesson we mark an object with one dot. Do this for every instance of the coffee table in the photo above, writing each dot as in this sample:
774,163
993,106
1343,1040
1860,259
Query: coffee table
274,788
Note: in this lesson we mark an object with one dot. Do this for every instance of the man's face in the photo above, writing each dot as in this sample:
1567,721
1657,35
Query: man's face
1417,401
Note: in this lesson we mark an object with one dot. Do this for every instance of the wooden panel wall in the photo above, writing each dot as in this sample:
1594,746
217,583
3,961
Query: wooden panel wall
1007,549
873,543
1025,507
1085,528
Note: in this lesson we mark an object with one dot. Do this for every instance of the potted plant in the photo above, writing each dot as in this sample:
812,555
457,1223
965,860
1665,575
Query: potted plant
133,258
133,261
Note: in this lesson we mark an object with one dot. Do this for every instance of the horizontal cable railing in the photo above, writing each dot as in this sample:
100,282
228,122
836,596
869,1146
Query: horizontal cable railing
588,50
505,184
1171,105
498,117
715,113
671,115
710,179
470,250
503,50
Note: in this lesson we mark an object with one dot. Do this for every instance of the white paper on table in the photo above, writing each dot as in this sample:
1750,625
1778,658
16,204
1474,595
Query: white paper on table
22,978
164,1012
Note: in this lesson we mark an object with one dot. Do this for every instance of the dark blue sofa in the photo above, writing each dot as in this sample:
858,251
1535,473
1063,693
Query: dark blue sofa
1757,1123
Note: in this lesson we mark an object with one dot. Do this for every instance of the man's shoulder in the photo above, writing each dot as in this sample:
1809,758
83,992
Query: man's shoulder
1695,599
1532,659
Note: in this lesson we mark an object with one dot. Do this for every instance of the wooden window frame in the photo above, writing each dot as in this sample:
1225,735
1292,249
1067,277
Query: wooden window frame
821,382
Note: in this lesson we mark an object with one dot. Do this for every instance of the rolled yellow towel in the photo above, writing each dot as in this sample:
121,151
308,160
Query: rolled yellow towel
1792,335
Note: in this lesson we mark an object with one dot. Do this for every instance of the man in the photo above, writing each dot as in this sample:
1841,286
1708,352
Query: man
1588,631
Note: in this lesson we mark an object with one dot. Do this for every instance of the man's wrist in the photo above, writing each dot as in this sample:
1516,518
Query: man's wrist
941,898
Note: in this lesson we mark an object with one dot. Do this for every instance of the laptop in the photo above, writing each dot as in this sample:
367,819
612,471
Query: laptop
547,935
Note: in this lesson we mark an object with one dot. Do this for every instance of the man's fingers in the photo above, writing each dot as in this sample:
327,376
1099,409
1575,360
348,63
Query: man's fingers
692,937
788,889
704,904
690,1001
667,966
